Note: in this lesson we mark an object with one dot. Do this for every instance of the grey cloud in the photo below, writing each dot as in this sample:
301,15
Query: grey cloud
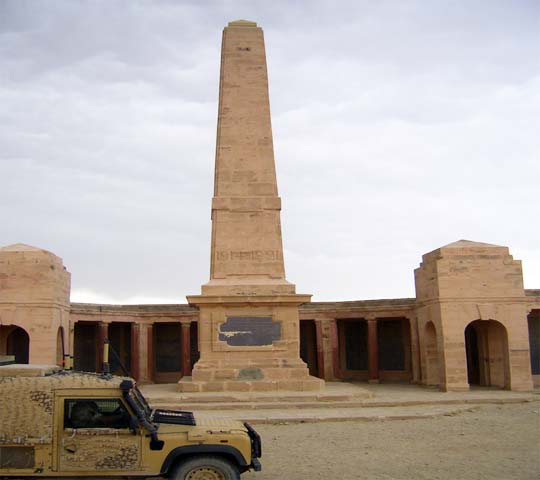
398,127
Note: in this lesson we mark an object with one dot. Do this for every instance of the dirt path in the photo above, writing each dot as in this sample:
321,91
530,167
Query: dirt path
492,442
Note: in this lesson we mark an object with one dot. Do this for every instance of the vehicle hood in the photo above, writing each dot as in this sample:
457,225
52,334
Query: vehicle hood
204,422
217,423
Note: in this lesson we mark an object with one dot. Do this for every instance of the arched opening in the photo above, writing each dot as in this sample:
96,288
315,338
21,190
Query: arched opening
533,321
18,344
486,346
473,356
60,349
432,355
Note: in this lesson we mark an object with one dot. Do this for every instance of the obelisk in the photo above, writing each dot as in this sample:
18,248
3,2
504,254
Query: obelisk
248,322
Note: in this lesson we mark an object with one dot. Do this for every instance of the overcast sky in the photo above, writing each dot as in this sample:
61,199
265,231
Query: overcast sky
399,126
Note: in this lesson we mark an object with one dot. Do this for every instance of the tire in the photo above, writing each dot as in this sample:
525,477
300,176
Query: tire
205,468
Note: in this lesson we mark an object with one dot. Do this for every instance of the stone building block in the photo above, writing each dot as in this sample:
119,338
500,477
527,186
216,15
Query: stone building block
290,385
298,373
265,386
225,374
277,373
203,375
312,384
237,386
212,386
189,387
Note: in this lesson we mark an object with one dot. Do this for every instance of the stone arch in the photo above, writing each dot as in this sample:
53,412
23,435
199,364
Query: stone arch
486,346
17,343
432,354
60,347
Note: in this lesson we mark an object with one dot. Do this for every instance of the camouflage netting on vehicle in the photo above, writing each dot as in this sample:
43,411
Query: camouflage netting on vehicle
100,450
26,404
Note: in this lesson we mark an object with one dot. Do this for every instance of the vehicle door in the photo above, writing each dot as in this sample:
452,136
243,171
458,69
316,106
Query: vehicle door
95,437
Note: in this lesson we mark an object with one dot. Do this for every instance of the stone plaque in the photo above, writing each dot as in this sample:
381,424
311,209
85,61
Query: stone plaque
249,331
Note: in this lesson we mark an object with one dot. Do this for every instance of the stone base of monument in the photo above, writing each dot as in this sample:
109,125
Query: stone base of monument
332,395
249,344
252,376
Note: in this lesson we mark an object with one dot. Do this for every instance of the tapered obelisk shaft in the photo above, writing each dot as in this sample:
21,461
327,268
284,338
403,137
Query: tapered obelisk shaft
246,228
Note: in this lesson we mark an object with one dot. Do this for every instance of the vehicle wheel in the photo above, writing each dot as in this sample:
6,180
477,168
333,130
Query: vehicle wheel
206,468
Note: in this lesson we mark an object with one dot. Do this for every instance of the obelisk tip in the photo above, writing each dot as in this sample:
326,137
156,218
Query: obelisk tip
242,23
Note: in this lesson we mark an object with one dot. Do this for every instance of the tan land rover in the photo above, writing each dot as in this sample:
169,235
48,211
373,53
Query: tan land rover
71,425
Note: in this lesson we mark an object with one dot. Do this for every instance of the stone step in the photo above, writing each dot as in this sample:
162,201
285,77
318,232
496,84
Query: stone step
284,417
301,399
217,406
347,404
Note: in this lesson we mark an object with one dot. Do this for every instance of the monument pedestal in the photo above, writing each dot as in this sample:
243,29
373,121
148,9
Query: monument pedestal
249,343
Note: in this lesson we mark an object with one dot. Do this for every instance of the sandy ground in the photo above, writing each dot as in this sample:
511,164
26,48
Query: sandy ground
492,442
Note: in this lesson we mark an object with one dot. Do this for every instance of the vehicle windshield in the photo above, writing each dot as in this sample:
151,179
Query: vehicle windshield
140,401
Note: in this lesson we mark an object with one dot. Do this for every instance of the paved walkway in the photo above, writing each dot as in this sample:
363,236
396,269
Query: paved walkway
339,402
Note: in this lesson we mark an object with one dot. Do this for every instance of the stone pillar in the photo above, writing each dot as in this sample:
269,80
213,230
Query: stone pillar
327,349
373,351
186,348
415,350
150,352
103,333
519,357
334,339
136,351
71,348
321,349
140,345
406,335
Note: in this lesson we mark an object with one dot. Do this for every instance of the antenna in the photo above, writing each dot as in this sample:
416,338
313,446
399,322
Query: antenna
106,364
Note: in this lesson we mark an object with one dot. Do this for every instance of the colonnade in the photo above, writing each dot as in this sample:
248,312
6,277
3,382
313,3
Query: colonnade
331,350
327,345
142,348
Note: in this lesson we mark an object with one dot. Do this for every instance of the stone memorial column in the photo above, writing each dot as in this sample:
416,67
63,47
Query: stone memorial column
249,322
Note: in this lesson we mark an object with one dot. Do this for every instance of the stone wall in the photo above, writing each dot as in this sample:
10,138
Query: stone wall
34,295
35,287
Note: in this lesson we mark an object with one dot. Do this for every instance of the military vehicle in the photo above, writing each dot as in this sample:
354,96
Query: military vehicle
69,424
